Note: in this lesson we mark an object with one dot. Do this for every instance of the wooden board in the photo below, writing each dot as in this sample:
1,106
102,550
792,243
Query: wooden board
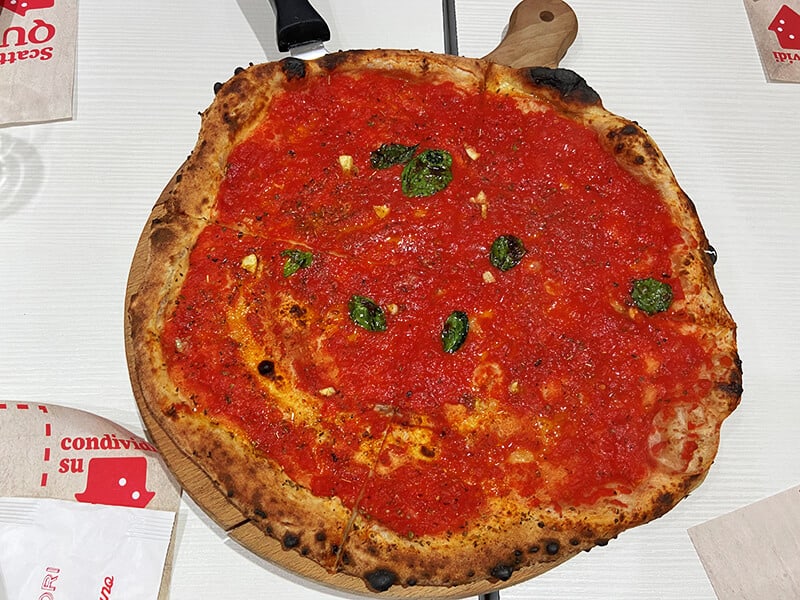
539,33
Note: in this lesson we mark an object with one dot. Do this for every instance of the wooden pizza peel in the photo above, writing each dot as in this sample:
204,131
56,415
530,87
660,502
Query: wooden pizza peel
539,33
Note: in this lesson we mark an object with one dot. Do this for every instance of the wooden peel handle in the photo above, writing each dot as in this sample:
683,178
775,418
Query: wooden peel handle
539,34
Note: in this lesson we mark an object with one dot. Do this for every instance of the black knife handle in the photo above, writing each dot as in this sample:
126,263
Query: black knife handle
297,23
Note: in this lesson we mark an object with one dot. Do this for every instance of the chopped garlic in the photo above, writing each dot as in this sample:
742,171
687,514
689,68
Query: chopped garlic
513,387
180,346
346,162
250,262
381,210
488,277
472,153
483,202
392,309
328,391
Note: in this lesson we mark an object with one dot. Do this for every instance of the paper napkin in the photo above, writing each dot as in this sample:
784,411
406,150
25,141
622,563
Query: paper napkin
776,30
37,60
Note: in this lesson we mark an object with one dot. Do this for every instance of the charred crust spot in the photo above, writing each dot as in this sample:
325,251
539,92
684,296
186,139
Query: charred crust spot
503,572
424,65
331,61
381,580
601,542
734,387
629,129
571,86
574,542
334,548
666,499
552,548
260,513
217,87
305,551
639,159
411,581
290,540
320,536
293,68
533,549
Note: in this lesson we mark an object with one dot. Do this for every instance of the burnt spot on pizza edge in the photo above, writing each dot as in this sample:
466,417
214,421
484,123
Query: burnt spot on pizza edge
380,580
733,387
502,571
290,540
330,61
571,86
552,547
293,68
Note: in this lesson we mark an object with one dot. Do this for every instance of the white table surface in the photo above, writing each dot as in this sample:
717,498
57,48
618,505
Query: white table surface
79,192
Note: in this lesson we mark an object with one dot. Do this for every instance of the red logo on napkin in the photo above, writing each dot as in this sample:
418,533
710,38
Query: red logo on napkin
786,26
22,6
117,481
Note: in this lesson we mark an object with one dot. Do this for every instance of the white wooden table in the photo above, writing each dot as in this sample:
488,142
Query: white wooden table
78,193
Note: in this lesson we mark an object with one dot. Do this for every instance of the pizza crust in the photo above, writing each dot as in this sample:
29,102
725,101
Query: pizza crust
510,541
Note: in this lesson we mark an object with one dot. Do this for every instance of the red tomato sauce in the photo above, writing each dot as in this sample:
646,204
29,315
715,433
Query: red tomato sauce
554,342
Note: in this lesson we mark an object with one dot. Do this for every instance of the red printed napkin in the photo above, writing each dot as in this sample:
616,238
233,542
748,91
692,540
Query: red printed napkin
776,30
37,60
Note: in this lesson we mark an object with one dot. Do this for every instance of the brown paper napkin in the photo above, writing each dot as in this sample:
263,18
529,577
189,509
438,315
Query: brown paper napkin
753,553
37,60
776,30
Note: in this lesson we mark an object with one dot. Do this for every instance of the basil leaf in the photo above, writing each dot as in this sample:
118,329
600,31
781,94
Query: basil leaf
365,313
651,296
427,173
506,252
389,155
455,330
296,260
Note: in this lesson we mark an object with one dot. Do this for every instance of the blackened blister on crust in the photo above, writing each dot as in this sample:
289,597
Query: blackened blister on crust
381,580
293,68
330,61
502,572
569,84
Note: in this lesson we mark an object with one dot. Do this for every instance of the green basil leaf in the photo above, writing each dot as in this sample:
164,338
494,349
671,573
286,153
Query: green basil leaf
651,296
365,313
506,252
427,173
455,330
389,155
296,260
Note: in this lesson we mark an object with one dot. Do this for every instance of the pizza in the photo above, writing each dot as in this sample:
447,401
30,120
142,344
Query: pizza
429,321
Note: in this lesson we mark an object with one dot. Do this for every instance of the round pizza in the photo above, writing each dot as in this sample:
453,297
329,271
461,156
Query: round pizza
428,320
